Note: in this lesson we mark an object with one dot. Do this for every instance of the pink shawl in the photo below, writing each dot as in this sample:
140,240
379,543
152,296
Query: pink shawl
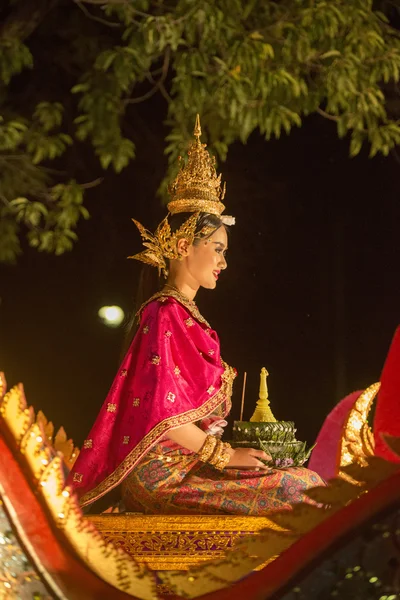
172,375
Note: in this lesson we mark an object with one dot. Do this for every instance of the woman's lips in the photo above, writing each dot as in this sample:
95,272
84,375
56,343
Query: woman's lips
216,274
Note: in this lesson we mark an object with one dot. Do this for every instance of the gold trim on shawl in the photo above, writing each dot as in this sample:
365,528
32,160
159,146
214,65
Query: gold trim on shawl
189,304
157,433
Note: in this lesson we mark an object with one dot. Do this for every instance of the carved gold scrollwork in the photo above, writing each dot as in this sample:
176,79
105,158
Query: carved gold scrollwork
15,412
178,543
34,438
357,442
59,441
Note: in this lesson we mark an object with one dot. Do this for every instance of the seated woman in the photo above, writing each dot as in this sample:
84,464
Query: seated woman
158,431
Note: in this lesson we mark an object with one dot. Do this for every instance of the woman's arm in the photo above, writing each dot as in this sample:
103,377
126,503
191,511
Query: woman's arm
192,437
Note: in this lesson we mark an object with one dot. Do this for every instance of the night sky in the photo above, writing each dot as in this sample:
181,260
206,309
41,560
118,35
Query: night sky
311,291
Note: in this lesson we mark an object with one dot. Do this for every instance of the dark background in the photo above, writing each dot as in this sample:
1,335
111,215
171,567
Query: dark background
311,292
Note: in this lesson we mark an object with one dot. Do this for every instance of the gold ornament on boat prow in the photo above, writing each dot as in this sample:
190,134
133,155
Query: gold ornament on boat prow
357,442
46,472
197,187
263,412
59,441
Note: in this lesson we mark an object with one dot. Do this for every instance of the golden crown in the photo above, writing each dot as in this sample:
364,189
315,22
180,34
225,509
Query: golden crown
197,187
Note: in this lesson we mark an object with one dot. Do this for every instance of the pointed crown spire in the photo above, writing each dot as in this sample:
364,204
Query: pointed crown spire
197,128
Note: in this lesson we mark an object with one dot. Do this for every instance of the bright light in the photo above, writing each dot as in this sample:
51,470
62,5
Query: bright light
112,316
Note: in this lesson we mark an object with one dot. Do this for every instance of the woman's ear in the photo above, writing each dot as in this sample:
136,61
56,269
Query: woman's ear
183,247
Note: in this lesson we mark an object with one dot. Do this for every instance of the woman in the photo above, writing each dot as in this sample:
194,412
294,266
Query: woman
158,431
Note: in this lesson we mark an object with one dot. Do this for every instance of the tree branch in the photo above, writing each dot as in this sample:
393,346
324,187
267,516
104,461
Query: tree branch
94,18
158,85
327,115
25,18
118,2
145,96
91,184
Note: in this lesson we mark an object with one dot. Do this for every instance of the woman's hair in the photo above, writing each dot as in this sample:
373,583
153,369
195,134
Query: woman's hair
150,282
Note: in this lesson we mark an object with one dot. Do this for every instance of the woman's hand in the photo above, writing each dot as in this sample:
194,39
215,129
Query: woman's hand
247,458
192,437
213,425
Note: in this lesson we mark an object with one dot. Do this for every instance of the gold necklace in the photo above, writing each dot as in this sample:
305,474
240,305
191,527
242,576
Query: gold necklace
175,293
178,291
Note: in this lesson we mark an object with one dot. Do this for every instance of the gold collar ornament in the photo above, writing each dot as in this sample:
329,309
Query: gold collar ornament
196,189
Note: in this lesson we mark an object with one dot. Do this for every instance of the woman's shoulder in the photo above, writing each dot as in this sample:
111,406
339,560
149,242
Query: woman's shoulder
163,304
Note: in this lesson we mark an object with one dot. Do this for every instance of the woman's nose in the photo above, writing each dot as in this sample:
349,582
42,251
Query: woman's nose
222,263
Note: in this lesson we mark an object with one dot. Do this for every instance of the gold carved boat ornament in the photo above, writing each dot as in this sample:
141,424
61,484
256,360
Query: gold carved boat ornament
35,438
110,563
357,442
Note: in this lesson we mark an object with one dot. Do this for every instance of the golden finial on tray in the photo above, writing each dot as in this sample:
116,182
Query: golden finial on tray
263,413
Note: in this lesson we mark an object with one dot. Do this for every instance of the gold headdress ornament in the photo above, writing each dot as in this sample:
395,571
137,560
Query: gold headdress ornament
196,189
197,186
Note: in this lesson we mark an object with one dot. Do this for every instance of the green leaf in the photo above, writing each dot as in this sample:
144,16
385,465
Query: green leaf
330,54
18,202
84,212
355,146
105,160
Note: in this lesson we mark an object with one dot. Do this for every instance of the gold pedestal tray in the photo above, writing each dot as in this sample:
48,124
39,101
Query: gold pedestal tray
176,542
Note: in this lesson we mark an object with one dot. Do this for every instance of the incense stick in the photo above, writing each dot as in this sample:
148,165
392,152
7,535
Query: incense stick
243,393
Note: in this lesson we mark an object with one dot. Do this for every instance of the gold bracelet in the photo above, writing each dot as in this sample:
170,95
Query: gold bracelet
207,449
217,452
224,458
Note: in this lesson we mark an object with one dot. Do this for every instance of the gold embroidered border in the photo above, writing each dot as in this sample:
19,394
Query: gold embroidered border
157,433
191,306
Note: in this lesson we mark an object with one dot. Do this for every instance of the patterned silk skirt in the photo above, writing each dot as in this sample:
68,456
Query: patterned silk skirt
171,480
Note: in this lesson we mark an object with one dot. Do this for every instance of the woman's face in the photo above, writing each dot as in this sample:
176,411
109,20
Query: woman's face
206,259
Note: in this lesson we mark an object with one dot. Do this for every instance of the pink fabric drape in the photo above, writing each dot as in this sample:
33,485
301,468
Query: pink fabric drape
325,458
172,375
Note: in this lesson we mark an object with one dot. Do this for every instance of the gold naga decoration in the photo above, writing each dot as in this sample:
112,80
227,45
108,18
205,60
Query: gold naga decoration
196,189
109,562
280,530
357,443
